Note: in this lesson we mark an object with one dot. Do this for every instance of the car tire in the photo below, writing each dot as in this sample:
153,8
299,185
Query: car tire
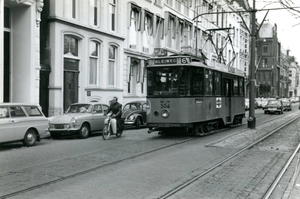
30,137
138,123
84,131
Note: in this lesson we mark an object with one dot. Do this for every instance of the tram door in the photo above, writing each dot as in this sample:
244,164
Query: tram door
228,86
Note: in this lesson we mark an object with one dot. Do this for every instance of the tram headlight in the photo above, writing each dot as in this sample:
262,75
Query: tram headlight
165,113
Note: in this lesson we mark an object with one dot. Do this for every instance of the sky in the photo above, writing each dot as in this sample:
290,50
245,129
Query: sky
288,26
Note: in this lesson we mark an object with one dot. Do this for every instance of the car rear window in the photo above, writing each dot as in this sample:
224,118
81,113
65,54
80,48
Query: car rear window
33,111
3,112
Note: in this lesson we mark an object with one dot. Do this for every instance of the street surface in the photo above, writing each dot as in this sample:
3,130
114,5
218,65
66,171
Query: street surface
142,165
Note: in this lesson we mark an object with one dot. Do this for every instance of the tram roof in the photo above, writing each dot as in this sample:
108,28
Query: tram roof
186,60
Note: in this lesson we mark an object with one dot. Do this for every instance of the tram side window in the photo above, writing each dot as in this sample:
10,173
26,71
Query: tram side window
149,82
235,87
184,85
241,86
208,82
197,81
217,83
226,87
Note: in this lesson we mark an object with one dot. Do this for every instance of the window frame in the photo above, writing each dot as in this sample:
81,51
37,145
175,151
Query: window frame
96,57
113,4
94,12
114,61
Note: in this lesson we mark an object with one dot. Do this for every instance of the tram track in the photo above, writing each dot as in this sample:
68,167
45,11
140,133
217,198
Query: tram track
281,174
187,183
64,178
19,192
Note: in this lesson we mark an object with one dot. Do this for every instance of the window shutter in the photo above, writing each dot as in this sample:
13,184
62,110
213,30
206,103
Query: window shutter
143,21
167,21
129,10
128,75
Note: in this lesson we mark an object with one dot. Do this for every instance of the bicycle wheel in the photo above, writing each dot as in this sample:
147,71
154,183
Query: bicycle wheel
106,132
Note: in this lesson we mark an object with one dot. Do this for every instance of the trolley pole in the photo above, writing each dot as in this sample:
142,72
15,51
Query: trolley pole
252,119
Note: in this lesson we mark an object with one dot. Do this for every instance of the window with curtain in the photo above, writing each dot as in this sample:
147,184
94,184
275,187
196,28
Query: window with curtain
94,60
70,45
112,65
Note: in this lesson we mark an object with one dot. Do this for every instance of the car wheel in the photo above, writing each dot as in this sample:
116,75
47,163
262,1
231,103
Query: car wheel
138,123
84,131
30,138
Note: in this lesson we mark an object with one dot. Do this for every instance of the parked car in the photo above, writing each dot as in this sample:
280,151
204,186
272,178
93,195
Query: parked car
134,113
287,104
80,119
259,101
294,99
247,104
22,122
274,106
264,103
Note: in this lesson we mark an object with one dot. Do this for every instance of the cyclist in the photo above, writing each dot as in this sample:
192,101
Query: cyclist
116,109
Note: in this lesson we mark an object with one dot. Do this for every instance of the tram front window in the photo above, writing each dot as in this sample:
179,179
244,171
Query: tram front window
164,81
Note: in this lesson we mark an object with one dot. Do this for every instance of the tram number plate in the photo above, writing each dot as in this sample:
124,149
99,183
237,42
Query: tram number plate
164,105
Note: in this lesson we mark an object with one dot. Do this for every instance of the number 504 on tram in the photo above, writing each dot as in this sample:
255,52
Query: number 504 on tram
184,94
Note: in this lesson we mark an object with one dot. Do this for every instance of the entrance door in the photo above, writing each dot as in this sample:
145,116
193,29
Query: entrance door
70,88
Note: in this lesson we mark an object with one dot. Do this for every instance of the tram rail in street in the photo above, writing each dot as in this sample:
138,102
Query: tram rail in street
34,187
91,169
189,182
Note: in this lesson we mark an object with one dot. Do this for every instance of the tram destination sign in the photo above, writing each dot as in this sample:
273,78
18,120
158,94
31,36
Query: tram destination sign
171,60
165,61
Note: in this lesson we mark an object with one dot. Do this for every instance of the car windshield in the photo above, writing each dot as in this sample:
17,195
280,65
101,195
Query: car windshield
80,108
273,102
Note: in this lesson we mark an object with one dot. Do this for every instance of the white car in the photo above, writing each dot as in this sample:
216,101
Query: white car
22,122
80,119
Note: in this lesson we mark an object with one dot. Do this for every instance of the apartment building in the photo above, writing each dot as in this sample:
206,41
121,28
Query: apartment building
20,58
92,50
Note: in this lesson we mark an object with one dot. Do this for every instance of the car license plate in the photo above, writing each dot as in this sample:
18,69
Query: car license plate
273,109
59,126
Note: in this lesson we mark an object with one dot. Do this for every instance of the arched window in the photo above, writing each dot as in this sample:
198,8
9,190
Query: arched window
112,66
94,57
70,46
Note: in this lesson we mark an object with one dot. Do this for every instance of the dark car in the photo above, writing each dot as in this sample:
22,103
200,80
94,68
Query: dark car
274,106
287,104
134,113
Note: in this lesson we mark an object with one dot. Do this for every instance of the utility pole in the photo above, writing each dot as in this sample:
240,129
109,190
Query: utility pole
252,119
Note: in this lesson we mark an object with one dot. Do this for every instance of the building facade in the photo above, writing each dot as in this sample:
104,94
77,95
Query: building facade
20,58
83,51
268,70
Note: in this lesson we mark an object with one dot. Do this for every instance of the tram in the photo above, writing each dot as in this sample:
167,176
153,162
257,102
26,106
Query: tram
184,94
